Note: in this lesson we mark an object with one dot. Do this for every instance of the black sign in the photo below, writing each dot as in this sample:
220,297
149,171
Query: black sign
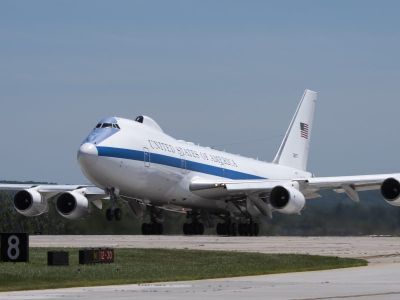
96,256
57,258
14,247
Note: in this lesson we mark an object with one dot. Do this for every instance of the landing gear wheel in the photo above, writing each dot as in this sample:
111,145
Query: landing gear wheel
227,229
118,214
115,213
219,229
193,228
186,229
249,229
145,229
242,229
232,229
256,229
156,228
200,228
109,214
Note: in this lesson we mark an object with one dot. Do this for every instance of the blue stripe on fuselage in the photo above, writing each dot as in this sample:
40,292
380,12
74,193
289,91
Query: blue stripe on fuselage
175,162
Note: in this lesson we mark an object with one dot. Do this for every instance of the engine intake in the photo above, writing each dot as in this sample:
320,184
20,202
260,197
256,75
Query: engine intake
279,197
287,200
30,203
390,190
72,205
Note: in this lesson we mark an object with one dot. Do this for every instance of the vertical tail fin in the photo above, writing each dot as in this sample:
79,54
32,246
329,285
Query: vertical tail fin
293,151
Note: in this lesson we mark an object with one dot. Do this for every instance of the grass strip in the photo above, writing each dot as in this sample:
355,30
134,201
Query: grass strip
157,265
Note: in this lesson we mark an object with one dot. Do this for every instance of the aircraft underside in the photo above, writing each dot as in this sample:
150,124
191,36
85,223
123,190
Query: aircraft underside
234,220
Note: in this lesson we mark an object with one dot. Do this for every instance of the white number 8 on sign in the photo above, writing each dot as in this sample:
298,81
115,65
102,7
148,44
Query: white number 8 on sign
13,247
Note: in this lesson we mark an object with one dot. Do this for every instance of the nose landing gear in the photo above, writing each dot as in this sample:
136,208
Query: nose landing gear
114,212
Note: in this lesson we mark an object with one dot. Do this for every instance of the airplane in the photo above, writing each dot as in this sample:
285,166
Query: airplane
134,162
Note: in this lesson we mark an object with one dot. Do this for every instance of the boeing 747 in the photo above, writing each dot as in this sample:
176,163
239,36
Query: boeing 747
135,162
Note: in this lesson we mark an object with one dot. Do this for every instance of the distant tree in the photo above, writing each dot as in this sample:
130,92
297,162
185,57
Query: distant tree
334,214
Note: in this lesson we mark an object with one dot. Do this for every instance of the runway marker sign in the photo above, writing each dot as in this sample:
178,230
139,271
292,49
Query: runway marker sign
14,247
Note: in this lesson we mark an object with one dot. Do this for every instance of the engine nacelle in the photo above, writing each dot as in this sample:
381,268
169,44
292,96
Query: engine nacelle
390,190
287,200
30,203
72,205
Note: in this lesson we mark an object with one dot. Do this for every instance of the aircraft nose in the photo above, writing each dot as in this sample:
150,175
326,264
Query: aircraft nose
88,149
87,154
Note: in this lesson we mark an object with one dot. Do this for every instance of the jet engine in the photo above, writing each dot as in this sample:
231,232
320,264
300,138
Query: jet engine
287,200
30,203
390,190
72,205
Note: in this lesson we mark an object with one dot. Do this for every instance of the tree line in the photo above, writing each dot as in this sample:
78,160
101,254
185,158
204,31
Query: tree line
334,214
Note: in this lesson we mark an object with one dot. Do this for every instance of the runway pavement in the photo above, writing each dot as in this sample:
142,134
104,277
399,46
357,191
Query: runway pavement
379,280
375,249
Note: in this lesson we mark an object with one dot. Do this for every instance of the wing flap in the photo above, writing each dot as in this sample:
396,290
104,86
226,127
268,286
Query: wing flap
231,189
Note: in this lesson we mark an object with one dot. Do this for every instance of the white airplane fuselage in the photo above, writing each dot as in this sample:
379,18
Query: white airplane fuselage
140,161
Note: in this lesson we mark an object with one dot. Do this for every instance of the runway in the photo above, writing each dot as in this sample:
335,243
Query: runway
379,280
376,249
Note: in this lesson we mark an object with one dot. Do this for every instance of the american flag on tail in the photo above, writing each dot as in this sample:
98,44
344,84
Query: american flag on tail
304,130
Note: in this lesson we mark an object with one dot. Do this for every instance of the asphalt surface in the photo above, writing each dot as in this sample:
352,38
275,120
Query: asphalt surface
379,280
376,249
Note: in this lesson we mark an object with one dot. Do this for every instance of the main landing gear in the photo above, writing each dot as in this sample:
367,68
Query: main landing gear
242,229
155,226
113,213
195,227
248,229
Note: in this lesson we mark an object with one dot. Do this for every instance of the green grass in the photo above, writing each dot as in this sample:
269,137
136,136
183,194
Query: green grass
157,265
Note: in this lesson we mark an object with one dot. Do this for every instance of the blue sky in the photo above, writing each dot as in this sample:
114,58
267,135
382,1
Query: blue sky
226,73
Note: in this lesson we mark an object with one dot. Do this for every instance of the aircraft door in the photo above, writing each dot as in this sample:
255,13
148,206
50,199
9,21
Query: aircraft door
146,157
183,163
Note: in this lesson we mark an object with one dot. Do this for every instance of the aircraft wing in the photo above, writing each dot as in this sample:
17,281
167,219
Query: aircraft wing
309,187
360,183
52,188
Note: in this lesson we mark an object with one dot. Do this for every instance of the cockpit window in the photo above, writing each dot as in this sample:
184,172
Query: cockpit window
107,125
